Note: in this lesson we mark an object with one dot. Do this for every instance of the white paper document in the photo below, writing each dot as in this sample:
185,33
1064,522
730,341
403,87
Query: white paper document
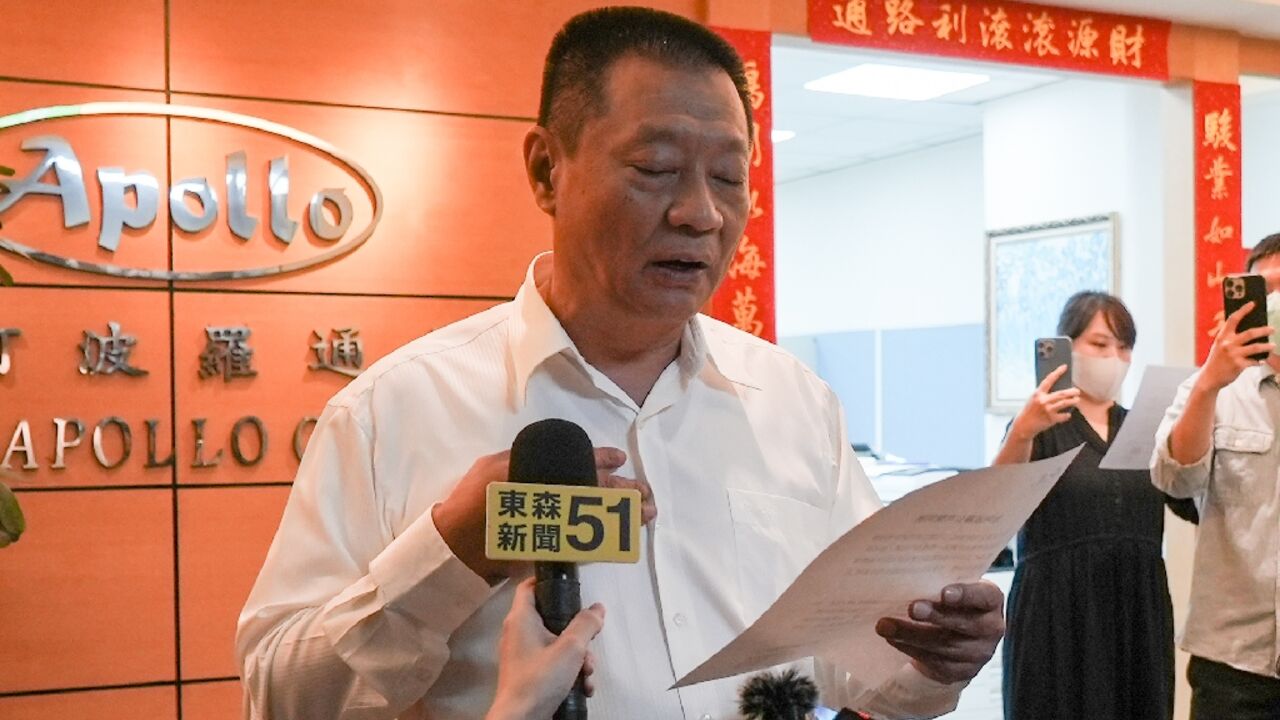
1132,448
945,533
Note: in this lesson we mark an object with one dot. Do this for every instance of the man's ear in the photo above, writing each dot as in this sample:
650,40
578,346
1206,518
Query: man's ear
541,159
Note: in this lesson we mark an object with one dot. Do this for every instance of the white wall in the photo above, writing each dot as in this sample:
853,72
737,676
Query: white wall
1087,147
1081,148
1179,258
1260,128
890,244
900,242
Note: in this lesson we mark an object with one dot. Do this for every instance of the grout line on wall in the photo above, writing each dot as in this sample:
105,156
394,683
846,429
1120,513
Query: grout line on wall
309,293
173,370
68,286
157,486
91,488
209,681
358,106
88,688
255,291
168,77
173,488
70,83
121,686
169,92
263,483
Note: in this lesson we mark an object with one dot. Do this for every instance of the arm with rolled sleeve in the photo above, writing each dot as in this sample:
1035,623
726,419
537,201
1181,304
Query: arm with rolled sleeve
346,621
907,694
1174,478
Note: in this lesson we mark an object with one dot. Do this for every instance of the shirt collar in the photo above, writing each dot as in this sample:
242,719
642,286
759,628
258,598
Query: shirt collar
537,335
716,338
1261,373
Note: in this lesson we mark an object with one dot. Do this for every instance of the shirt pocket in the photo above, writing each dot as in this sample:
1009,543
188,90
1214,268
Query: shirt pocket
1239,456
776,537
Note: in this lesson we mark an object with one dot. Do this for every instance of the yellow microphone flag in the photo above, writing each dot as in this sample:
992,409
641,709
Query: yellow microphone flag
562,523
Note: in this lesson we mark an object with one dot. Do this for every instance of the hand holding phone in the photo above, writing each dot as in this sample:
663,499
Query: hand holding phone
1244,338
1051,354
1238,290
1055,396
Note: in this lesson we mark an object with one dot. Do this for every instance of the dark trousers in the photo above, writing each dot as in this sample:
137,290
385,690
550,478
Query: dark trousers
1221,692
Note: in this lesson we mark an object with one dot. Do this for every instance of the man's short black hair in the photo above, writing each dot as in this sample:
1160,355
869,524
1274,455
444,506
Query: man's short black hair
1081,308
1268,246
586,48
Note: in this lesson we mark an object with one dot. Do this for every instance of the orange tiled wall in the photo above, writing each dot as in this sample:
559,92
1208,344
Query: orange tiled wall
121,599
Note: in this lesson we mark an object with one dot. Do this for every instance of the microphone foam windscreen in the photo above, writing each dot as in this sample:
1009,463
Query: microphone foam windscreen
553,451
773,696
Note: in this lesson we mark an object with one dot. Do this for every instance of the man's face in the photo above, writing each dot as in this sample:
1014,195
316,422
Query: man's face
650,207
1269,268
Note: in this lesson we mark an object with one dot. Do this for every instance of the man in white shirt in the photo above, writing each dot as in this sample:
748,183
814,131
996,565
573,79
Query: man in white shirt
1218,444
376,600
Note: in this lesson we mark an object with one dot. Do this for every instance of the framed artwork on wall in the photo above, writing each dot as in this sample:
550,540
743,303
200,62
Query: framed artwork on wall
1031,271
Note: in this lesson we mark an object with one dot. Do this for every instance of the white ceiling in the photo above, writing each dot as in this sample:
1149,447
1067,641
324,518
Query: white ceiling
838,131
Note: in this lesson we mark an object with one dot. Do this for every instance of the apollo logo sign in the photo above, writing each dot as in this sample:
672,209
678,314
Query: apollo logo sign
132,198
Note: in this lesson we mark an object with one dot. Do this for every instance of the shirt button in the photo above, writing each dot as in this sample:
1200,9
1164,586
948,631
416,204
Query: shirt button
679,620
705,716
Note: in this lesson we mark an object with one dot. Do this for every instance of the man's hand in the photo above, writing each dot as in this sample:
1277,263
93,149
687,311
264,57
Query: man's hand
950,640
460,517
1191,437
1229,355
609,459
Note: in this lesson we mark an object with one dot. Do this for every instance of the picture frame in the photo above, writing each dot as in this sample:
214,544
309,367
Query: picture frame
1031,272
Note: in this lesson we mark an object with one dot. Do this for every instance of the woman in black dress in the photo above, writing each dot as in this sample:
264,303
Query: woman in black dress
1090,625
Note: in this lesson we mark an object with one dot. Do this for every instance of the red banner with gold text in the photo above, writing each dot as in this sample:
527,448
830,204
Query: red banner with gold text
1006,32
745,298
1219,251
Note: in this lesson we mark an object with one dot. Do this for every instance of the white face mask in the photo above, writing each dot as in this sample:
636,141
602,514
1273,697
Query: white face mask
1273,318
1099,377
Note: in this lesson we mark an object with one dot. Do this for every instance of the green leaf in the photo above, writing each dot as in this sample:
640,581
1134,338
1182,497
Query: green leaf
12,523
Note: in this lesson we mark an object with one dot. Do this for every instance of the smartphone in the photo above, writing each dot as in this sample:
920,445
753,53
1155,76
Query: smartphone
1240,289
1051,354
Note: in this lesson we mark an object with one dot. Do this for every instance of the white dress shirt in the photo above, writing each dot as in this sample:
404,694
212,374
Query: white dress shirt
1234,596
362,611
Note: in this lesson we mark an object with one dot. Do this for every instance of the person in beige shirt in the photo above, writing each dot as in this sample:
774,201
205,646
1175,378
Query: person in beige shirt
1218,444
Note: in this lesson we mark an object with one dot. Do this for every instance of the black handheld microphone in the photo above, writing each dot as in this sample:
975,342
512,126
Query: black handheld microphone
556,452
774,696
